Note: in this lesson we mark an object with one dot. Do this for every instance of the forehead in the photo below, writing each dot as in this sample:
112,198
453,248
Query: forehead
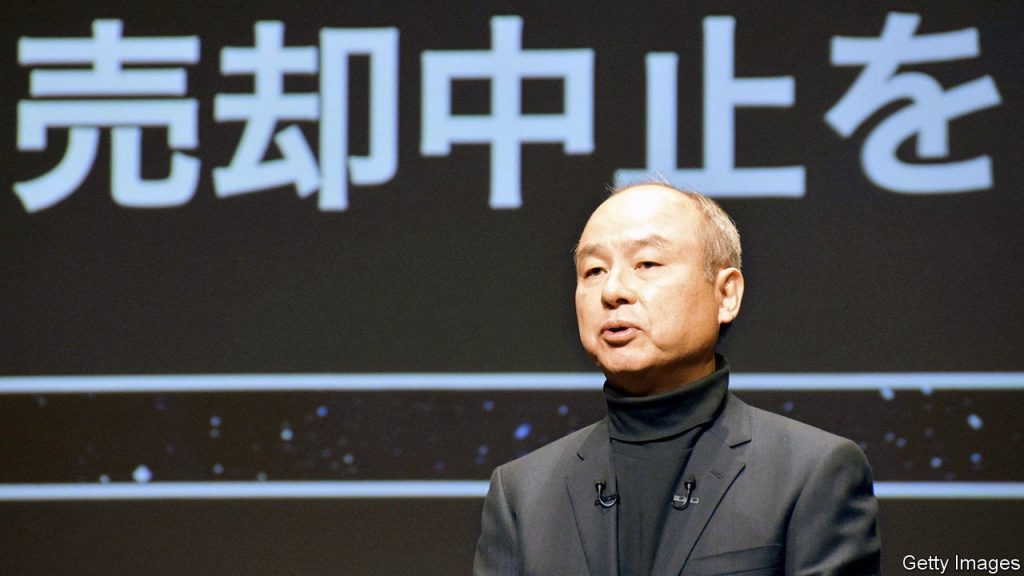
639,215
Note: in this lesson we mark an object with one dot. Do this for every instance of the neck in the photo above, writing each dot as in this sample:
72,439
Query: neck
641,419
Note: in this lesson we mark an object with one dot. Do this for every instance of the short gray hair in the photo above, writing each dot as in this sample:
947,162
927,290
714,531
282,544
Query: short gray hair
718,235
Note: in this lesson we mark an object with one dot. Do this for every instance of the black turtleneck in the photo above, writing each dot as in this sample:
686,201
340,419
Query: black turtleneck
652,437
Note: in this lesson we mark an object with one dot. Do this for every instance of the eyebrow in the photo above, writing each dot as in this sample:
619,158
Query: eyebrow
655,240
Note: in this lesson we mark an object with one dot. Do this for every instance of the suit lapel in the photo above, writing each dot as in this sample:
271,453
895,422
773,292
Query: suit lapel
714,465
597,525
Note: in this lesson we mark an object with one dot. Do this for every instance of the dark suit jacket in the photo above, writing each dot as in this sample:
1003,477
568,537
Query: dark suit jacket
774,497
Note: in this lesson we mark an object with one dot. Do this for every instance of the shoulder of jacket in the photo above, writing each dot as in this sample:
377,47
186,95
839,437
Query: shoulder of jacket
772,425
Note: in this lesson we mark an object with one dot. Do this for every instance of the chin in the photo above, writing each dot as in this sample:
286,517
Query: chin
628,367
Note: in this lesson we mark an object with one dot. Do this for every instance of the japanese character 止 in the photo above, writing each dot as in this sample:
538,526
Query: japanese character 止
107,51
928,115
723,93
506,128
269,61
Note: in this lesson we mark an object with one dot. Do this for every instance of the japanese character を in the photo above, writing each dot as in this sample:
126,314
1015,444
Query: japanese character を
926,118
106,52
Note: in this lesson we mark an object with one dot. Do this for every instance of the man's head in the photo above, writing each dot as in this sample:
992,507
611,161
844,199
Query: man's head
657,273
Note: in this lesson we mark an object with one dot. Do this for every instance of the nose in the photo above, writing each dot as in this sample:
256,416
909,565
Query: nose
617,289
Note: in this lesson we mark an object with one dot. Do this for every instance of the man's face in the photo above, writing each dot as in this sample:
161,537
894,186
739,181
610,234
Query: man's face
646,313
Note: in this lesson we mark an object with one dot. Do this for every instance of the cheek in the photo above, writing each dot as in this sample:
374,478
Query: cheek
679,316
584,305
582,320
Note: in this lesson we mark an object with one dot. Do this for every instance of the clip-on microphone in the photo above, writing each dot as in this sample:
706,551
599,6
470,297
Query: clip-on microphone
602,500
681,502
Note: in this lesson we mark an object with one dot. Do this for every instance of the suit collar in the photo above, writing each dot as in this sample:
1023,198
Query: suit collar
715,464
733,427
597,526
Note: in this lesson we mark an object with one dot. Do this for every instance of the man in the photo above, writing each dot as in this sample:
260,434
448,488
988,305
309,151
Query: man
682,477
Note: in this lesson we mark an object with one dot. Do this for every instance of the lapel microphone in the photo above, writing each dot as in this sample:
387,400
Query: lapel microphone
681,502
602,500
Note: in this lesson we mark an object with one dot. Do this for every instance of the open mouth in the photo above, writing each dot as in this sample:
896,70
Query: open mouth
618,333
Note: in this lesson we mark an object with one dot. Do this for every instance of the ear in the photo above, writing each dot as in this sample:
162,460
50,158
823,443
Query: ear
729,290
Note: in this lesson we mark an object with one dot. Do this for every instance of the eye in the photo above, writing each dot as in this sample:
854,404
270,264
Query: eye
592,272
647,264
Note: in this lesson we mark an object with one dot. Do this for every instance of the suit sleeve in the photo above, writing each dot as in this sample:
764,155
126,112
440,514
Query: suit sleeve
497,551
833,529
